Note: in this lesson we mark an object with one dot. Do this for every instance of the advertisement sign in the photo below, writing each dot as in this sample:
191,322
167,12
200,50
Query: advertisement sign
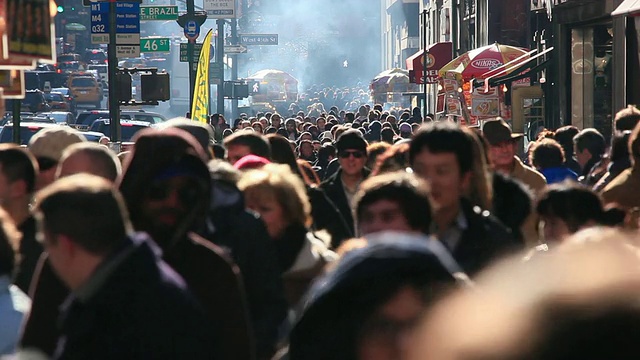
4,39
220,9
485,104
15,81
450,85
454,107
437,56
31,30
22,64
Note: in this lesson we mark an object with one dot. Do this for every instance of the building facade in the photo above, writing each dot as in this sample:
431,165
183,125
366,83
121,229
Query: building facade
400,23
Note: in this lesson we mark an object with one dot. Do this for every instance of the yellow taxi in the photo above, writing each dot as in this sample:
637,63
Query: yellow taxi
85,89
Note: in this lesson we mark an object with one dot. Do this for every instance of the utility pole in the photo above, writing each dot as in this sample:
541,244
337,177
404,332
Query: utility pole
425,56
454,27
220,61
114,107
190,50
194,20
234,68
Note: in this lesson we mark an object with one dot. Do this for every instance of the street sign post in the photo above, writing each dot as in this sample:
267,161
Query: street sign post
184,57
197,47
127,27
220,9
168,12
258,39
235,49
215,73
155,45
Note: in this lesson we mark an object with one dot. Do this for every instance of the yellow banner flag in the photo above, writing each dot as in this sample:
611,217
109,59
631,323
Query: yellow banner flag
200,105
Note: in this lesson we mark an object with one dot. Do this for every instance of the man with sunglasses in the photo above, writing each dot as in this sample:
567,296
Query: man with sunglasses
167,188
342,186
124,302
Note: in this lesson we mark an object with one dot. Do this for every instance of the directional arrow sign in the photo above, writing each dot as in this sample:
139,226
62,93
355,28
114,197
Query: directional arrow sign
235,49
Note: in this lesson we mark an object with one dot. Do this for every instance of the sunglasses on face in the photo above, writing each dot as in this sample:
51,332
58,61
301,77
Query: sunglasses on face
346,153
187,193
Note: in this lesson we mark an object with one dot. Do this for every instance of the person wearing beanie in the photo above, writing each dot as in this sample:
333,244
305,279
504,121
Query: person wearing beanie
342,186
405,130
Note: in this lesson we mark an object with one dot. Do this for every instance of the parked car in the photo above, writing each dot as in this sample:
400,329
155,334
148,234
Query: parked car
66,92
60,117
85,89
33,102
128,128
27,130
57,101
95,56
103,73
86,118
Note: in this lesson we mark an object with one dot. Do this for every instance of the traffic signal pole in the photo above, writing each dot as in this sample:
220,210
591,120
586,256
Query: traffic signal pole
220,60
234,68
114,108
190,51
425,56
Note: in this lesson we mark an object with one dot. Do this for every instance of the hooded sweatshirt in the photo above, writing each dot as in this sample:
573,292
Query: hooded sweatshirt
173,152
364,279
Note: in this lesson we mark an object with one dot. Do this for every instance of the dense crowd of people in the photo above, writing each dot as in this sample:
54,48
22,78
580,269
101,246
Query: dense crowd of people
323,234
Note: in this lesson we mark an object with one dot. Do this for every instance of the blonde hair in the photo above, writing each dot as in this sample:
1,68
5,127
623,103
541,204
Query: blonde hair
481,190
278,182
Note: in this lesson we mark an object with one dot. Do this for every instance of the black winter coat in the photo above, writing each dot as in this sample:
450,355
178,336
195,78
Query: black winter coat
143,310
246,237
335,191
483,241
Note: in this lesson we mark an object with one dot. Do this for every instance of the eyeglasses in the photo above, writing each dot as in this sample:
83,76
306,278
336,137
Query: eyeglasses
346,153
187,193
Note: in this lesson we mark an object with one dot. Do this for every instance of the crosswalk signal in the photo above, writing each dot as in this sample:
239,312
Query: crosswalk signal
254,87
123,84
155,87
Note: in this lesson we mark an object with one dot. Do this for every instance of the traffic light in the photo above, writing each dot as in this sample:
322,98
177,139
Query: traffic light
123,84
60,9
155,87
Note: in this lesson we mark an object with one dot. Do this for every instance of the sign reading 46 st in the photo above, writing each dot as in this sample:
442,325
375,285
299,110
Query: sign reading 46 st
155,45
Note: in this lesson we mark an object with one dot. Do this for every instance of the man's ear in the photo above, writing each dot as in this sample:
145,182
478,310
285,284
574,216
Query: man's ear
18,188
465,181
67,245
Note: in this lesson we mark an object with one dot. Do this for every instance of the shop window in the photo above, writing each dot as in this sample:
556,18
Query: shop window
591,74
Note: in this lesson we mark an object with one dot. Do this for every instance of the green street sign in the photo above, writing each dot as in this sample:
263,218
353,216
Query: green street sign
197,47
155,45
169,12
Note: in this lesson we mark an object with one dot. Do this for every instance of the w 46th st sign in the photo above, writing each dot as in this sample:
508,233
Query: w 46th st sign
258,39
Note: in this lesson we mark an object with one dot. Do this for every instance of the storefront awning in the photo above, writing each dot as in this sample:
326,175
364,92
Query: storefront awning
438,55
520,70
627,8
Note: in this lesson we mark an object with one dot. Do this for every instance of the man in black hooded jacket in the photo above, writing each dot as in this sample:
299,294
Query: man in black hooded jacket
166,187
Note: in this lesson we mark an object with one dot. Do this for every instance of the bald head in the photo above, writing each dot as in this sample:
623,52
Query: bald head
89,158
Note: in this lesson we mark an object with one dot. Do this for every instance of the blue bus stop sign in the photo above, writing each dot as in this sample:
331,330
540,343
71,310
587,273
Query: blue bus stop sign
192,30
